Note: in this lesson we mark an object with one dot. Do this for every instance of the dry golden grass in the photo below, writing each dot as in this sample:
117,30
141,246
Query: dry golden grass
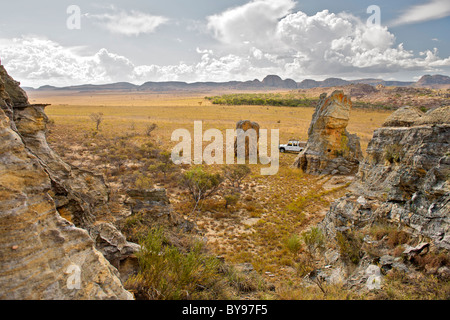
173,111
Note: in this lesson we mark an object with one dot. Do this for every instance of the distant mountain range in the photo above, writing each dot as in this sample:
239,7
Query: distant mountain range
269,82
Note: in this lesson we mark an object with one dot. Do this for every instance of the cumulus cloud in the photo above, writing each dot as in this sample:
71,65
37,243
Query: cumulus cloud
431,10
131,23
321,44
247,23
41,60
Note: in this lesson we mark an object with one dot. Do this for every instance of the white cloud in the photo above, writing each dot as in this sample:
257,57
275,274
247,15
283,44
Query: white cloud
247,23
39,60
290,44
432,10
321,44
131,23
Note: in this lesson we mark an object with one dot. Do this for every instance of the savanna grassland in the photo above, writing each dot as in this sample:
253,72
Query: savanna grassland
259,226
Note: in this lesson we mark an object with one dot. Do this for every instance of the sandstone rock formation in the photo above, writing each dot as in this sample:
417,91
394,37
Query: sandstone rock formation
242,135
330,148
403,182
43,255
407,168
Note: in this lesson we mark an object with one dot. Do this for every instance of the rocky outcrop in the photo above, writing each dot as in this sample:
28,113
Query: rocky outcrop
407,168
402,185
330,148
45,256
153,207
276,82
242,136
360,90
433,81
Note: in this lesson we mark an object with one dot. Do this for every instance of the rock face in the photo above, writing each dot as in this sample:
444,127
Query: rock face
45,256
404,183
407,167
77,193
330,148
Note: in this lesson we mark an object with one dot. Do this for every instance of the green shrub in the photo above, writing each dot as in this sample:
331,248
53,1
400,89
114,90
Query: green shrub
314,240
143,182
292,99
349,246
166,273
236,174
201,184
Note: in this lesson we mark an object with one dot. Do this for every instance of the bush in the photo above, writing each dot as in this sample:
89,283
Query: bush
143,182
264,99
236,174
201,184
166,273
293,244
164,164
394,236
349,246
314,240
231,199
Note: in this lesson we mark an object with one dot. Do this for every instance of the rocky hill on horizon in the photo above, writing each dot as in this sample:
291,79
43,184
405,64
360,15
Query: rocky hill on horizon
269,82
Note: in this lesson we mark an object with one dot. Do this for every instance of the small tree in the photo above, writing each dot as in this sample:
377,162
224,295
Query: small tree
201,184
164,165
314,241
149,129
97,118
236,174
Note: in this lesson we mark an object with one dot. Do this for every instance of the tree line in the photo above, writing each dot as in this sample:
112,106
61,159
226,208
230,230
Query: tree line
264,99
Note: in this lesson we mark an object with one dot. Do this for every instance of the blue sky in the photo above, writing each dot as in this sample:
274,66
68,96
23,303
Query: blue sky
204,40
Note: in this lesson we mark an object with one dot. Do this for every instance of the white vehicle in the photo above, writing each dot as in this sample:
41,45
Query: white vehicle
292,146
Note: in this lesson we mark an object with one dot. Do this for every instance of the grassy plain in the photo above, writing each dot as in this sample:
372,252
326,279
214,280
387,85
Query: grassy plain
171,111
270,210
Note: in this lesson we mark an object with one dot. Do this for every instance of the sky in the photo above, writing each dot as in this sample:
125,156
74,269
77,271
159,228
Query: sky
75,42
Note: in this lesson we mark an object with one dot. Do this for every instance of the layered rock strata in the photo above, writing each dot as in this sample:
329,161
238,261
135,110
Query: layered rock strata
330,148
43,255
403,182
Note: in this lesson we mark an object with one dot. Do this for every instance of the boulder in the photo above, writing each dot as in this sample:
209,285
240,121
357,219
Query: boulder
154,208
330,148
112,243
374,277
403,117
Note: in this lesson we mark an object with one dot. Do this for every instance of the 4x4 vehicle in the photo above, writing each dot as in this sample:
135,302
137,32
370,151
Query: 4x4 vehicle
292,146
